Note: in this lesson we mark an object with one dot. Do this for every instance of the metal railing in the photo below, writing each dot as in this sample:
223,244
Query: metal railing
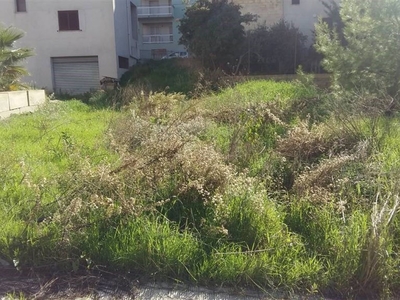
157,39
154,11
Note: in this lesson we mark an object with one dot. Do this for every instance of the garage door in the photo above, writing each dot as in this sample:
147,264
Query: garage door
75,75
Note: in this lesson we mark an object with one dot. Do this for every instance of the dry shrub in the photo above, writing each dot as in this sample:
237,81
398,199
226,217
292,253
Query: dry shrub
89,190
158,105
324,175
234,113
306,143
335,177
168,160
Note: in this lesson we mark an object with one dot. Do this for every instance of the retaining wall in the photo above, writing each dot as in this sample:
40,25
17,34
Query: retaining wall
20,102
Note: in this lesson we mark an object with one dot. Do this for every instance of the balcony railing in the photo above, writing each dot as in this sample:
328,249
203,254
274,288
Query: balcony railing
157,38
154,11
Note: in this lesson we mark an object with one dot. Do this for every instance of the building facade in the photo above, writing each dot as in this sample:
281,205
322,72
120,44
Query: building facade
269,12
158,21
76,42
304,14
79,42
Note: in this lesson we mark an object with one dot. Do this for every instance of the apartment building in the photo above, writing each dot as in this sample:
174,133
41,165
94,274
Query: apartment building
76,42
158,21
79,42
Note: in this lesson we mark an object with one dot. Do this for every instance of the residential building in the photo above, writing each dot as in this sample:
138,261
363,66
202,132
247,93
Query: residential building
158,21
76,42
304,14
269,12
79,42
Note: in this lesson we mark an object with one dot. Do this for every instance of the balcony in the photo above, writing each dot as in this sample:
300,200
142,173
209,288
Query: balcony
154,12
157,39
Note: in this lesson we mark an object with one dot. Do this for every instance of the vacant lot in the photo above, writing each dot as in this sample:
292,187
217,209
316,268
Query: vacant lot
262,185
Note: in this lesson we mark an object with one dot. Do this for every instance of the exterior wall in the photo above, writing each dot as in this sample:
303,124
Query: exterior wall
268,11
20,102
304,15
96,36
125,37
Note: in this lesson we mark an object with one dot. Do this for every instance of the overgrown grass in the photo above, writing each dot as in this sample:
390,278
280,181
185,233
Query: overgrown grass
256,186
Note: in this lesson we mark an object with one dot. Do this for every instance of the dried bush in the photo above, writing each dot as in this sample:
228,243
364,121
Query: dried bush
167,162
323,175
305,143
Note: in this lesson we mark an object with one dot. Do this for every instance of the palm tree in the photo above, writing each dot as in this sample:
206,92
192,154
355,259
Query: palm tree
10,58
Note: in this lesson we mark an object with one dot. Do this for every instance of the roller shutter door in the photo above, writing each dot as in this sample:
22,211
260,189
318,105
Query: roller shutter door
75,75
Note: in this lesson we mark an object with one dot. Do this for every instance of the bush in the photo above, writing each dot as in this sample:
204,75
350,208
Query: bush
168,75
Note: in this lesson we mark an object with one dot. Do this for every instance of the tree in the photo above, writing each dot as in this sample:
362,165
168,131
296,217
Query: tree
213,31
334,20
370,59
10,58
276,49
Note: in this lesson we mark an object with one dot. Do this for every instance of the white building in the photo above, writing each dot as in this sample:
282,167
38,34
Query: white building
76,42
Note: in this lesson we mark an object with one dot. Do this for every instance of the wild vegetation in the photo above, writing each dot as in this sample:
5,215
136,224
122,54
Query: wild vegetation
258,185
11,58
214,33
261,184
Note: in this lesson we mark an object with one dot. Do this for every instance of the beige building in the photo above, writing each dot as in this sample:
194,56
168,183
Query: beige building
302,13
268,11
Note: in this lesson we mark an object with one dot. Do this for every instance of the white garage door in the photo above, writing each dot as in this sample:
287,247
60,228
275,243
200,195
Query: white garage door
75,75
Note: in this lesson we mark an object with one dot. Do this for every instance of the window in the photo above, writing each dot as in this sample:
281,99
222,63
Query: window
21,5
68,20
123,62
295,2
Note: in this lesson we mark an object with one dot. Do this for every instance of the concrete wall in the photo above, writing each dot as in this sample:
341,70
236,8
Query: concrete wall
20,102
96,36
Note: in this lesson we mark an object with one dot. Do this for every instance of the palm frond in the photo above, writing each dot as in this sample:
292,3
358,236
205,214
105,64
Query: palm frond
10,58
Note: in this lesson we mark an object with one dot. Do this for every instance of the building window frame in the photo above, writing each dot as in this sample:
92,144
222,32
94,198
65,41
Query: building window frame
20,5
295,2
68,20
123,62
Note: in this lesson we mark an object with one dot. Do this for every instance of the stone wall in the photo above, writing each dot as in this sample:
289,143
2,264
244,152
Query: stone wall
20,102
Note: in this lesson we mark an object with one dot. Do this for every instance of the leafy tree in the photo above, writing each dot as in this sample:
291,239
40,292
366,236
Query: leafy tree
370,61
334,20
213,31
10,58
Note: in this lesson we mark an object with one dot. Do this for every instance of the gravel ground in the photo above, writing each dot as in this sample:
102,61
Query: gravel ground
107,286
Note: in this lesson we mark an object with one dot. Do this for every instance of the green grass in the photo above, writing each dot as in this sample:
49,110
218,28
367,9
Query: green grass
42,139
256,92
241,188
